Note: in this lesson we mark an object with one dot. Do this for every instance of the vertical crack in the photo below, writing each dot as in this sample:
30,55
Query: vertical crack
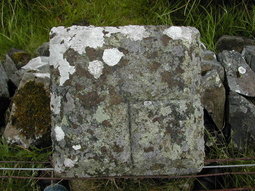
130,134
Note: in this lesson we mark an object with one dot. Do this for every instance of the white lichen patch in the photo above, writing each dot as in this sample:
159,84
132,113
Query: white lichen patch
42,75
78,37
241,70
76,147
65,70
165,110
55,103
179,33
60,135
133,32
147,103
100,115
36,63
112,56
96,68
69,162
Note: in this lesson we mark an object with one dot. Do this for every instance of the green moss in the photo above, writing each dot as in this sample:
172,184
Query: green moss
32,116
22,57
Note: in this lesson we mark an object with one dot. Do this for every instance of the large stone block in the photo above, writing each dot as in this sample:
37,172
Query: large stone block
125,101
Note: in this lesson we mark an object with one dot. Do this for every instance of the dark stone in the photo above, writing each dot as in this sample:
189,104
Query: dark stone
19,57
11,70
240,77
209,62
236,43
43,50
213,97
249,56
242,120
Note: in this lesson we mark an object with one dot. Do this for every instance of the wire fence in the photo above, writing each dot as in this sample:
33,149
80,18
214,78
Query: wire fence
209,161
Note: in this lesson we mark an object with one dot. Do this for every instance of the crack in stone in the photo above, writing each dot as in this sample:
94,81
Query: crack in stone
130,134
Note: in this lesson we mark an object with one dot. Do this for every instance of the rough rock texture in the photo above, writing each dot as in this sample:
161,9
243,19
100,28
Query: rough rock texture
11,70
237,43
249,55
214,94
213,97
240,77
126,101
209,62
242,120
19,57
43,50
29,121
4,92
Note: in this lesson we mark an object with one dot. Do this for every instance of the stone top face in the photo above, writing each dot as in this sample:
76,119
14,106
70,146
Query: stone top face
125,101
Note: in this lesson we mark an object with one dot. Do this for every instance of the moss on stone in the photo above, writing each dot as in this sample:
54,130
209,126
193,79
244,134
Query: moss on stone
32,115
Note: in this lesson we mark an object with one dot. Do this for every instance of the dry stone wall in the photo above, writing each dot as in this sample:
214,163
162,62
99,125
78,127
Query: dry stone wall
228,99
126,101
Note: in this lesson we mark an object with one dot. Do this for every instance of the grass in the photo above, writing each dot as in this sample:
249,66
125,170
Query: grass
25,24
19,153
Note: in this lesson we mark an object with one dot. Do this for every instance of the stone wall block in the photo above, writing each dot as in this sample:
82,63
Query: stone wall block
29,120
242,120
214,97
11,70
249,55
209,62
237,43
240,77
125,101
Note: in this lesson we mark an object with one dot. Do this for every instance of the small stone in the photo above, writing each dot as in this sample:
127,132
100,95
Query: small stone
19,57
240,77
29,121
213,97
12,72
209,63
43,50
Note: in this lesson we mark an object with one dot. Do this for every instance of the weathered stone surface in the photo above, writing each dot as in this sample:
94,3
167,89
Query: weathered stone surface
209,62
19,57
43,50
39,66
126,101
237,43
213,97
240,77
249,55
4,92
12,72
29,121
242,120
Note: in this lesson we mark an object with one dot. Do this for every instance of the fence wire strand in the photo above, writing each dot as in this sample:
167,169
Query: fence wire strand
208,161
